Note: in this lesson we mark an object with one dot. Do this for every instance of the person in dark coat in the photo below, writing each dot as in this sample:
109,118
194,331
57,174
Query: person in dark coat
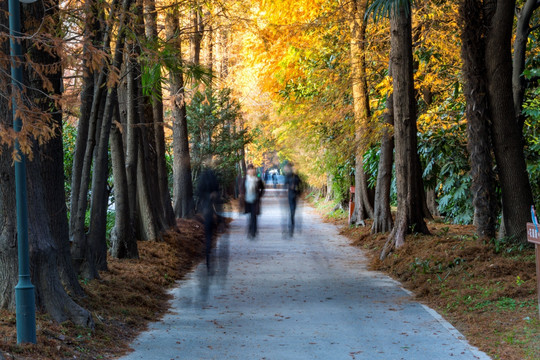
293,185
208,191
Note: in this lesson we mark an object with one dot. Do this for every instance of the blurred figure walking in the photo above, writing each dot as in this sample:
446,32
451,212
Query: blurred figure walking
253,192
208,192
292,184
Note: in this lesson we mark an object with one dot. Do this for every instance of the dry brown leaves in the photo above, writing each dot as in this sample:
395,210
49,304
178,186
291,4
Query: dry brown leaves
123,301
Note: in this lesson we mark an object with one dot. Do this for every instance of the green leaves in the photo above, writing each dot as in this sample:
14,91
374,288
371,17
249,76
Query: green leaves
212,117
386,8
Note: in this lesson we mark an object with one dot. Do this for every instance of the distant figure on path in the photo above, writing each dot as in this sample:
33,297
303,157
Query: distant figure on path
208,191
253,191
274,180
292,184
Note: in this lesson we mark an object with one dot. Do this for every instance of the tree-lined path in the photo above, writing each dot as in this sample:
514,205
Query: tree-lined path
309,297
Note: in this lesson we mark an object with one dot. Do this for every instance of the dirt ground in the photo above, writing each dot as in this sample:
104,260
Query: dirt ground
126,298
487,290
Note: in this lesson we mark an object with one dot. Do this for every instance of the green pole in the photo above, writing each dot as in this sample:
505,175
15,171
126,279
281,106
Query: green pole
24,291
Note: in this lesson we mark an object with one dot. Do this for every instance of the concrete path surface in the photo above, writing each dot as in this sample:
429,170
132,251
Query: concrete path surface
305,297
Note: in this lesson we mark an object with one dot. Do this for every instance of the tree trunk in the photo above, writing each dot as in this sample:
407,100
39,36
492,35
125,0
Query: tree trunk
183,187
51,296
131,136
52,173
410,191
210,58
224,59
382,219
477,111
197,32
146,226
523,31
98,216
43,224
84,148
159,123
146,120
506,132
357,10
123,241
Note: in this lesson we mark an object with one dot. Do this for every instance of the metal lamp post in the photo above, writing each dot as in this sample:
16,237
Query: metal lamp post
24,291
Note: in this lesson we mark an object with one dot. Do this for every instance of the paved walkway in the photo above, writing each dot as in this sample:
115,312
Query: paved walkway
306,297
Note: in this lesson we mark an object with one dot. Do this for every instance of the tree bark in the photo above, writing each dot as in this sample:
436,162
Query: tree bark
182,184
123,241
357,24
44,222
523,31
159,123
410,191
98,215
83,258
146,120
478,118
52,174
382,219
197,32
506,132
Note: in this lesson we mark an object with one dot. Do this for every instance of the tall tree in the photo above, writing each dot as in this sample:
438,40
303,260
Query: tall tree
523,31
382,217
197,32
182,183
91,110
358,23
123,241
478,118
98,214
47,223
159,122
506,131
410,191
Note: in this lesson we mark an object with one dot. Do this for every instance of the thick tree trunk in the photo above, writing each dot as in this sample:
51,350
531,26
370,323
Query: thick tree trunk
523,31
159,123
50,294
479,137
84,148
148,200
382,219
146,226
146,119
182,184
410,191
131,136
98,216
123,242
8,227
357,10
506,132
141,216
52,173
44,222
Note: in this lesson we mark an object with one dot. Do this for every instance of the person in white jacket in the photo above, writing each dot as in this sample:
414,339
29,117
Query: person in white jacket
254,189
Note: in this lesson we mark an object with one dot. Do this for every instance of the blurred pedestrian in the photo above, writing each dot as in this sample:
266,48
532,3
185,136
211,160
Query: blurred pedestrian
254,190
293,185
208,192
